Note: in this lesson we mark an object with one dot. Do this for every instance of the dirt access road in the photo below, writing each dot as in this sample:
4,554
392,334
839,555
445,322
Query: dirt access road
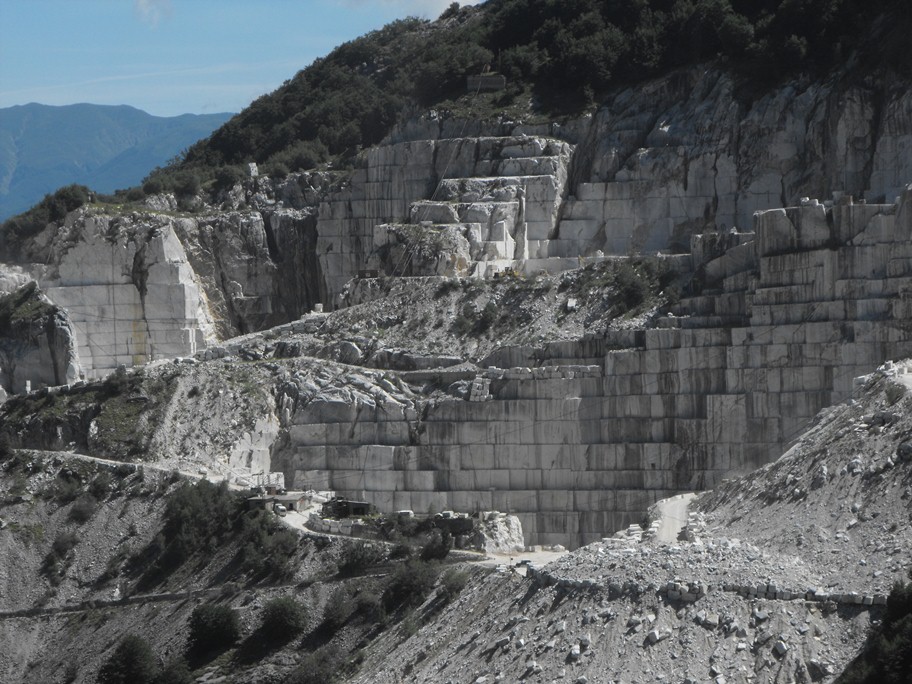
673,516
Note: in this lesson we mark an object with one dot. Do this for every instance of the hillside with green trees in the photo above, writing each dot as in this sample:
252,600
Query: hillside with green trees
887,655
559,57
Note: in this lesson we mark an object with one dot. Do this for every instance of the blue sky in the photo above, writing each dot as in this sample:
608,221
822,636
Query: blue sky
171,57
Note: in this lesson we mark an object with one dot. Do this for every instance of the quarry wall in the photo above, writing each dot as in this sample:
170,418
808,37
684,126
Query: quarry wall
579,438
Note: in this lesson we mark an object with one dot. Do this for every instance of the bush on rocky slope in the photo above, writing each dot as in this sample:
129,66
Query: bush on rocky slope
409,584
198,520
283,618
887,657
268,545
132,662
212,628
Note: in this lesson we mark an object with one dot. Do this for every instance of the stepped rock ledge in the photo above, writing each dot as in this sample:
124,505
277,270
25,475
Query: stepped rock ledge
577,438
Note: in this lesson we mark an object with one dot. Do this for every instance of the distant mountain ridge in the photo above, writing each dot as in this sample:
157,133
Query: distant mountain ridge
43,147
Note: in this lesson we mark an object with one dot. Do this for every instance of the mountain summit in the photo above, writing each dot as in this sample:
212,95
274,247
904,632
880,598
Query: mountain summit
105,147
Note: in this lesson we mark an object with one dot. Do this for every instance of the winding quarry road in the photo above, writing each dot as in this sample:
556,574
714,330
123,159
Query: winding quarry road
673,514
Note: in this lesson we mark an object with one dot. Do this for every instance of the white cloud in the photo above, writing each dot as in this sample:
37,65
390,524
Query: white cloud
152,12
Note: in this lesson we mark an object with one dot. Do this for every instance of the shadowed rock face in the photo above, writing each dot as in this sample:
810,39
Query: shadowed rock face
37,344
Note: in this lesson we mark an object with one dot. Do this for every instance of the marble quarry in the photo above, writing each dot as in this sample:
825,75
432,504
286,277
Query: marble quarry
678,156
577,438
582,437
682,155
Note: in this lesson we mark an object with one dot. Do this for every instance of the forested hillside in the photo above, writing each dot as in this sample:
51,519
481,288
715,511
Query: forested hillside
558,56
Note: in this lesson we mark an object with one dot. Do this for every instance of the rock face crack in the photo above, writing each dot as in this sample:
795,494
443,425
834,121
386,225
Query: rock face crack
139,274
877,122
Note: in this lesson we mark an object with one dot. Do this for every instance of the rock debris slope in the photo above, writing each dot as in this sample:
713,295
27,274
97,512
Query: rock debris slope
776,578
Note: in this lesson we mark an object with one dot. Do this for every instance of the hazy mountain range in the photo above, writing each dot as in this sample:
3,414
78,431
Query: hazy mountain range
105,147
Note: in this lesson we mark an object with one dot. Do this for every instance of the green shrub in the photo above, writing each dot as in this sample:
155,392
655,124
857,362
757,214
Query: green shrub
197,518
135,195
410,624
83,509
451,11
401,551
153,186
132,662
213,627
187,184
488,316
116,383
303,155
100,486
369,605
337,611
409,584
446,287
887,656
226,177
438,546
632,288
66,488
320,667
358,557
268,545
63,544
283,618
452,583
56,561
277,169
